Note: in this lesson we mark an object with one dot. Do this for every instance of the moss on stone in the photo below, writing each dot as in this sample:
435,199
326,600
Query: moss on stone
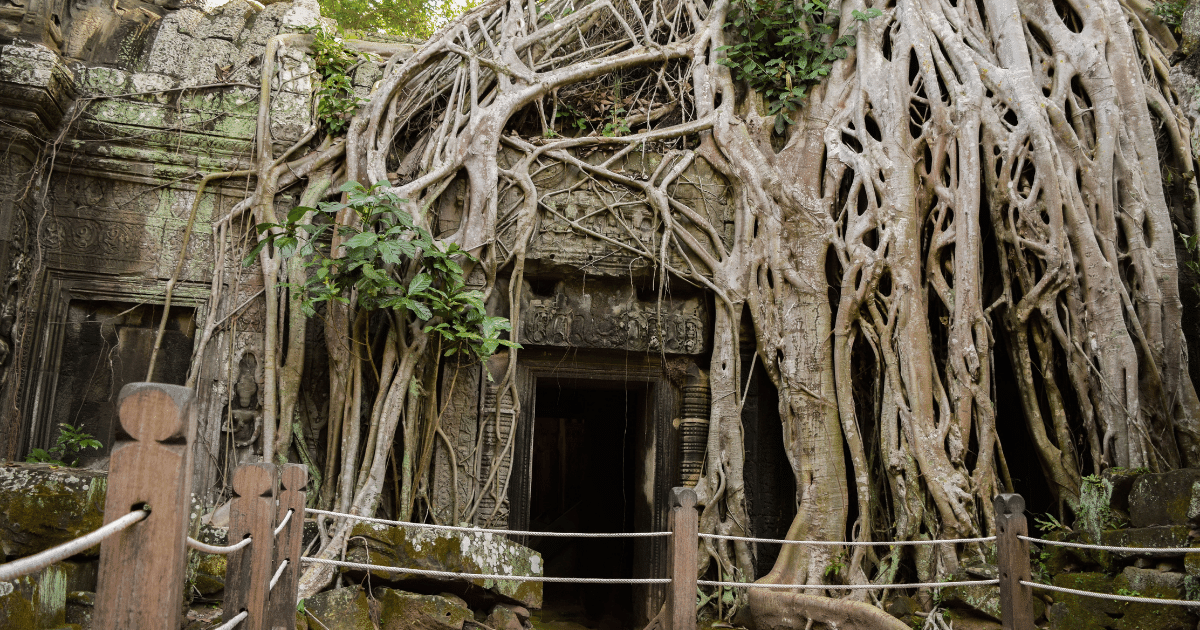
461,552
400,610
42,506
210,574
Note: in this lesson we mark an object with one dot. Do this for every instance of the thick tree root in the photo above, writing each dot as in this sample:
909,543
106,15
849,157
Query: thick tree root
781,610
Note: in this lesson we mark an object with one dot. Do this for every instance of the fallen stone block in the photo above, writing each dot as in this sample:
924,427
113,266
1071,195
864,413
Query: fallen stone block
1079,612
340,609
400,610
42,506
35,601
1162,498
457,552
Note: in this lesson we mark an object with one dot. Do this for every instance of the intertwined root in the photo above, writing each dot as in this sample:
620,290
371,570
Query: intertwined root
978,176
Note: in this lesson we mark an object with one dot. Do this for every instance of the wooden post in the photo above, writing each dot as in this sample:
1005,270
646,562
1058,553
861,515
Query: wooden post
249,569
140,580
292,479
681,592
1012,554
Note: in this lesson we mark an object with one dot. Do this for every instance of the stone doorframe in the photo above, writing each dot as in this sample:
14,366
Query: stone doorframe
42,356
579,368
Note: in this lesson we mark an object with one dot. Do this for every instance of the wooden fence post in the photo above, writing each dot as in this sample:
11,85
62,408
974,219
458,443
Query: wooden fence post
1012,555
681,592
140,580
249,569
292,479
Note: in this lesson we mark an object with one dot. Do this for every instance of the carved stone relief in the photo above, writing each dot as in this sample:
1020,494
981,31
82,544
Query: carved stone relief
244,421
612,317
120,227
452,471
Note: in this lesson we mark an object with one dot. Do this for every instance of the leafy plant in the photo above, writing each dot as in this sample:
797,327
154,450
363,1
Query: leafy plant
1171,13
618,127
785,49
387,262
836,566
1047,523
1037,561
71,442
337,101
573,117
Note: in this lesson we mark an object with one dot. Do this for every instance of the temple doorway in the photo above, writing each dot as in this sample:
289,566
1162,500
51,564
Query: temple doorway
586,460
595,452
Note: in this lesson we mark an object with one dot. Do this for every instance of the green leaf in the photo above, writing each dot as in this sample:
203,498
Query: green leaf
253,255
298,213
420,310
419,284
362,239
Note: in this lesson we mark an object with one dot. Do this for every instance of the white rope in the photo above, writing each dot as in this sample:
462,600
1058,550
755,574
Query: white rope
478,576
1149,550
286,517
24,566
1119,598
851,587
478,530
834,543
199,546
228,625
278,573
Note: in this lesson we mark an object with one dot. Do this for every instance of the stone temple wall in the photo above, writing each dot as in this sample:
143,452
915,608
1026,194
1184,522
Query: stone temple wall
110,114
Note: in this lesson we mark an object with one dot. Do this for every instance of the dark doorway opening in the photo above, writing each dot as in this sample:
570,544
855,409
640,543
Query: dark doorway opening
587,463
105,346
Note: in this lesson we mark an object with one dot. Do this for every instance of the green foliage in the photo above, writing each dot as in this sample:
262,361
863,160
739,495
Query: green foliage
571,116
617,125
1128,593
387,262
71,441
786,49
406,18
1037,564
1047,523
1171,13
334,62
836,565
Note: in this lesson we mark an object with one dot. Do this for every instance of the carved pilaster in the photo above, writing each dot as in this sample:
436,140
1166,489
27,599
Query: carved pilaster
693,427
498,444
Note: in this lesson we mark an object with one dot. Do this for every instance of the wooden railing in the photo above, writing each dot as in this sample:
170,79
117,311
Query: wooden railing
144,539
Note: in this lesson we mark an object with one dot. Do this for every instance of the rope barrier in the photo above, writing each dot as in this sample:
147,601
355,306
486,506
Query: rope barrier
220,551
39,561
286,517
278,574
1147,550
851,587
478,576
479,530
834,543
1119,598
228,625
